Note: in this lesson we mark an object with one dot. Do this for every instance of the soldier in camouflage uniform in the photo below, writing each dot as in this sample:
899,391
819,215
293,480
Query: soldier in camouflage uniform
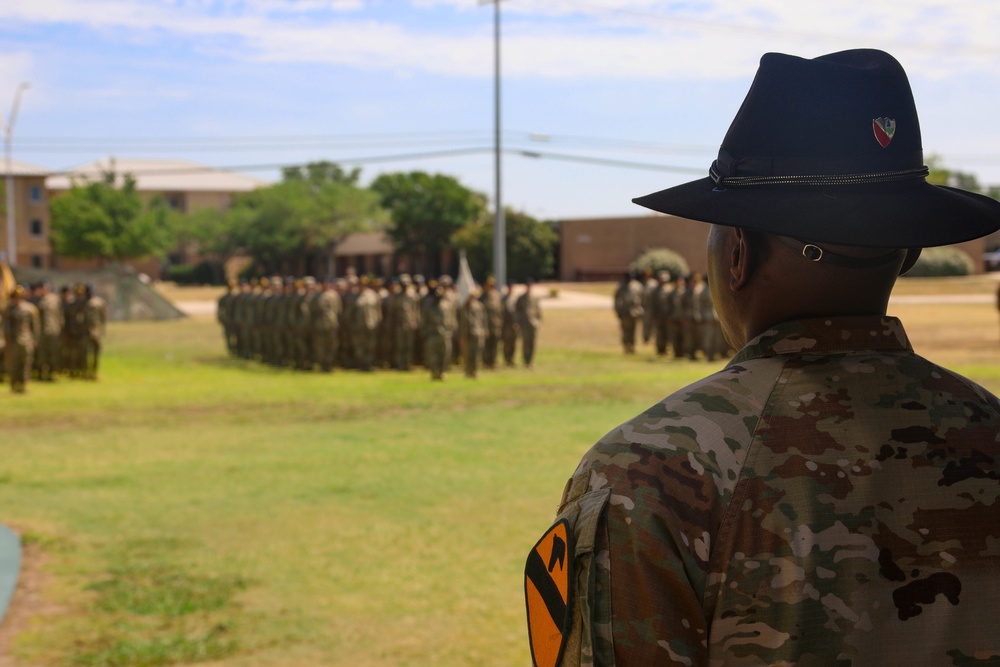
472,324
629,309
830,497
509,330
662,303
224,315
367,317
51,314
95,318
529,321
325,310
438,322
21,330
406,319
493,305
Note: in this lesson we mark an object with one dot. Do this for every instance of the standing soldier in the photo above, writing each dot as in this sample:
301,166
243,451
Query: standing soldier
509,330
95,318
662,312
348,334
325,310
51,314
629,309
529,320
493,305
241,322
367,316
649,285
438,322
224,315
405,318
21,329
711,332
473,328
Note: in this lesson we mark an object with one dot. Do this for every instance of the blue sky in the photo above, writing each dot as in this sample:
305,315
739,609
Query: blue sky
586,84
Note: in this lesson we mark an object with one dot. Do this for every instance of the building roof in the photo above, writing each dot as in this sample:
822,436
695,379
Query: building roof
160,176
364,243
18,168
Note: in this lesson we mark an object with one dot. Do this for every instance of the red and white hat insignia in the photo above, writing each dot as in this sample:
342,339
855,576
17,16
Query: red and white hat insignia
884,129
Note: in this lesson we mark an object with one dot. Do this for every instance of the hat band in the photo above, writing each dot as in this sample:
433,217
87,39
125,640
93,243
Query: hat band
837,179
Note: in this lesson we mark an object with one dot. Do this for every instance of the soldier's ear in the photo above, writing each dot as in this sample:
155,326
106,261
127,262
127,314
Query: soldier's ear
741,247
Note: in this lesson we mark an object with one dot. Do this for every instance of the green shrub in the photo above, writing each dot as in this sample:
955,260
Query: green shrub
660,259
935,262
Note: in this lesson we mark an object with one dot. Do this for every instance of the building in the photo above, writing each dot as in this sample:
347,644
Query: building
186,186
603,248
31,216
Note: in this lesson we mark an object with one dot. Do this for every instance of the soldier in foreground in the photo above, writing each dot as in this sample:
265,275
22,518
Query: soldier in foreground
830,497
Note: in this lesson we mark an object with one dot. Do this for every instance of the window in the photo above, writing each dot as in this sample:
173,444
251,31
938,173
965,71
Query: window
36,228
36,262
35,194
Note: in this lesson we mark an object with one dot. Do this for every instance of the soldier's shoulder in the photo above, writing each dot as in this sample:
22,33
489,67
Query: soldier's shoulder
701,431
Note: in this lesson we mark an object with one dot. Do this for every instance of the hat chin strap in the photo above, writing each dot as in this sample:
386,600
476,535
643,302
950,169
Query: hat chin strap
815,253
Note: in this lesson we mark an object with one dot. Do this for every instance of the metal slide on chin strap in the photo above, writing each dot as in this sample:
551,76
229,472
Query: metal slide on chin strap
815,253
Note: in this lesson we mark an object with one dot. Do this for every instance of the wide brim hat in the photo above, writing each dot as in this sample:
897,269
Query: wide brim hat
828,150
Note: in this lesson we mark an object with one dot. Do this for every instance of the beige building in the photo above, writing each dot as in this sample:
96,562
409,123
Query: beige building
186,186
31,216
602,248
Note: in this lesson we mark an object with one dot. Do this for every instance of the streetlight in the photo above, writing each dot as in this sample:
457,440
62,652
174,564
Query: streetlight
499,224
8,131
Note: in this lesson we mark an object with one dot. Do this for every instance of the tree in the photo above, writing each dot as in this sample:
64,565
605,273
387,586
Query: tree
426,209
531,246
939,175
106,221
302,217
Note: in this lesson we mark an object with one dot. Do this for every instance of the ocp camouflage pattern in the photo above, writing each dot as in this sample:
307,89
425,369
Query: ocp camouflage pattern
829,498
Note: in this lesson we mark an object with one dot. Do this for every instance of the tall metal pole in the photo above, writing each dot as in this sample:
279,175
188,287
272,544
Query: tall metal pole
8,131
499,225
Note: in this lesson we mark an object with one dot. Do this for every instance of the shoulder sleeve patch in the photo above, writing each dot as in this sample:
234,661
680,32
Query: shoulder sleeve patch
547,579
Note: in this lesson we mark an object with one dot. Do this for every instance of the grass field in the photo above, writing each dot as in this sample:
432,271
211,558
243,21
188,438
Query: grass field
192,508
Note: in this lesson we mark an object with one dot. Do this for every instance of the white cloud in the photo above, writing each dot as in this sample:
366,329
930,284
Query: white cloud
551,38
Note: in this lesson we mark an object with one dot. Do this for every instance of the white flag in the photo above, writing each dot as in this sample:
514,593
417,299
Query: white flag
465,281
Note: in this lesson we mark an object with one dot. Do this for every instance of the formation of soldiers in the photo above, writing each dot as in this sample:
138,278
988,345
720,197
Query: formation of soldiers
674,312
367,323
47,333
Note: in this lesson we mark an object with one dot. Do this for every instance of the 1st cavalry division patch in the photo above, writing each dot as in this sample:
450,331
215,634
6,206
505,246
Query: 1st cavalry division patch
547,578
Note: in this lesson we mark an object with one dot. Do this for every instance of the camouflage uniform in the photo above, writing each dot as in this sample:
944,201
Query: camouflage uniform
529,320
663,305
95,318
325,312
438,322
51,313
367,313
509,331
629,309
493,303
827,491
473,332
21,329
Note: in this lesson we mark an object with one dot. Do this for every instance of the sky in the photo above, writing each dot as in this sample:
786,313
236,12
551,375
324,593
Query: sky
602,100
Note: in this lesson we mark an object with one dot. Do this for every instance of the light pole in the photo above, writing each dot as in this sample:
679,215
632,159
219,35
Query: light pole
499,224
8,131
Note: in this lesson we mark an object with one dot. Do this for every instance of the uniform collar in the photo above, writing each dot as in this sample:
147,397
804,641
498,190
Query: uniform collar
827,335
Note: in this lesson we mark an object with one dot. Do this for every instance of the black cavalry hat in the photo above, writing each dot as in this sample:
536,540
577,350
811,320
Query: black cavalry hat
828,151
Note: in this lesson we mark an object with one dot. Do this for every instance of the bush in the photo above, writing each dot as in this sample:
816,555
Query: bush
935,262
204,273
660,259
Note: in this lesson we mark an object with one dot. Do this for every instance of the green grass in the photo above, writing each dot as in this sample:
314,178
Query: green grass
195,509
